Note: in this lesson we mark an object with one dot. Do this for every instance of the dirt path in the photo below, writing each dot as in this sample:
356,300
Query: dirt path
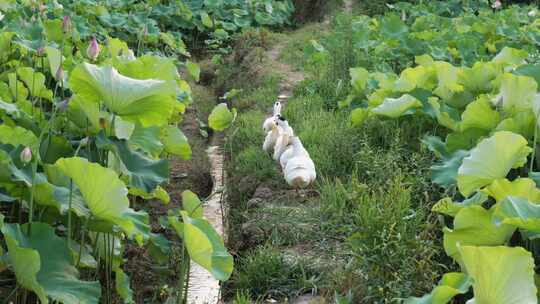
203,288
291,78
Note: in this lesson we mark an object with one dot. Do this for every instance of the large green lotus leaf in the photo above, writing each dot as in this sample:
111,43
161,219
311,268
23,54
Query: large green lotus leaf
492,159
123,129
194,70
501,275
175,142
510,57
117,48
417,77
48,194
480,115
18,136
449,286
358,116
192,204
18,91
465,140
147,139
205,247
435,145
122,286
11,168
54,147
160,194
393,28
521,123
54,57
85,114
474,225
447,75
35,82
531,70
521,187
9,108
444,118
43,264
478,78
518,212
5,44
449,207
104,193
144,173
53,29
150,101
359,79
517,92
445,172
149,67
220,118
396,107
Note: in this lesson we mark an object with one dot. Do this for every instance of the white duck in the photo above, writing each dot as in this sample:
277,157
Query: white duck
284,138
271,137
289,152
300,169
267,124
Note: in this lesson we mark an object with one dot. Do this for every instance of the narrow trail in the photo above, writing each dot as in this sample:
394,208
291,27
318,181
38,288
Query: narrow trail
203,288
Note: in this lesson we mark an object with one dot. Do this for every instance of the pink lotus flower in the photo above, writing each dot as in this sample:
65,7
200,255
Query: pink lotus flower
93,49
496,5
26,155
66,24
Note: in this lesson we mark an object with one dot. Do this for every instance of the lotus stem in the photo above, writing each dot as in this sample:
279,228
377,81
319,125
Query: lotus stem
534,148
31,213
69,213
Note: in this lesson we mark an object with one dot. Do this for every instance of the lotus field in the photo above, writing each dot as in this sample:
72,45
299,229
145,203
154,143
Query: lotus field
409,172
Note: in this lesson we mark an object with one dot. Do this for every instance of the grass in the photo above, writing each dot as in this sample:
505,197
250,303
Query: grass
293,52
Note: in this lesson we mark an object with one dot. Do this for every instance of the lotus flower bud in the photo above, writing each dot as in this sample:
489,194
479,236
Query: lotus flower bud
496,5
532,13
93,49
63,105
40,51
42,8
26,155
66,24
60,74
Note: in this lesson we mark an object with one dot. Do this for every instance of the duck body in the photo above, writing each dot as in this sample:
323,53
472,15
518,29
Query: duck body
300,171
271,139
289,151
284,139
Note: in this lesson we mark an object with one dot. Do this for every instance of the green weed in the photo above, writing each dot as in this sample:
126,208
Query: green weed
267,272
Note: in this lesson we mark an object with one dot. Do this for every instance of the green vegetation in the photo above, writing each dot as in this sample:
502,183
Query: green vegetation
86,132
421,118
